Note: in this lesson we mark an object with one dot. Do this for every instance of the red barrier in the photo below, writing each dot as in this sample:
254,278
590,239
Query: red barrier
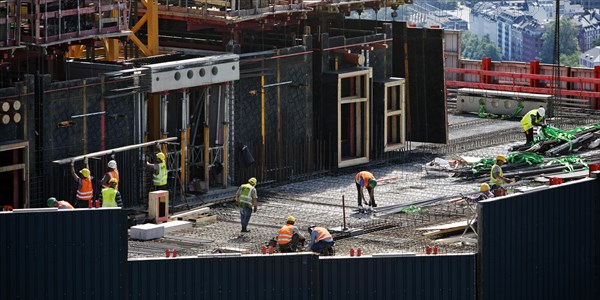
97,203
264,249
555,181
271,249
358,252
351,251
90,203
435,250
174,252
167,253
427,250
593,168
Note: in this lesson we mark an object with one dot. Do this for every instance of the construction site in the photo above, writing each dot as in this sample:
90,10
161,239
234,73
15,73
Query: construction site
299,97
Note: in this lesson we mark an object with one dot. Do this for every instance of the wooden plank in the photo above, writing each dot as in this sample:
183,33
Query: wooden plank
442,231
232,250
202,210
445,226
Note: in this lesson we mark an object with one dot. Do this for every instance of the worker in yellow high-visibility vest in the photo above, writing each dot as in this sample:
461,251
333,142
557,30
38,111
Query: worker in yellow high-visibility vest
532,118
245,198
159,176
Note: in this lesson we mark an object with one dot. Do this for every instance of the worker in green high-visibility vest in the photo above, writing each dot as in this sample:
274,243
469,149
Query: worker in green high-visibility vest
159,176
532,118
110,197
245,198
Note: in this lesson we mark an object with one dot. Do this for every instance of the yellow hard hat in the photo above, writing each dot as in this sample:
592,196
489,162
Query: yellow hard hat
160,156
252,181
501,157
85,172
113,180
484,187
291,219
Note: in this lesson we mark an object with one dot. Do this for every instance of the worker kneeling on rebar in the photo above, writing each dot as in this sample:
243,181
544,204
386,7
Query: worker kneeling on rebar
321,240
496,177
288,237
485,193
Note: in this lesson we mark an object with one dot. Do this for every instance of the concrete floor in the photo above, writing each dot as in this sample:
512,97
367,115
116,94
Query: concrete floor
319,202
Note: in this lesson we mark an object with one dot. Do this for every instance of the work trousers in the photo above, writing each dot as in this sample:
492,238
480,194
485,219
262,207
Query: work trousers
320,246
529,136
245,214
372,199
81,204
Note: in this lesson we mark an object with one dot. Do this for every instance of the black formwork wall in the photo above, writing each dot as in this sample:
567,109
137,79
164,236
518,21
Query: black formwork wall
542,244
73,254
401,277
419,58
244,277
287,149
58,133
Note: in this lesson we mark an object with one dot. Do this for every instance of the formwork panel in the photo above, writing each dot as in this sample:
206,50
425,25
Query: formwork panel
541,244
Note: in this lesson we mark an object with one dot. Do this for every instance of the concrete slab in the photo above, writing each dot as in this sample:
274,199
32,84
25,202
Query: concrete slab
176,225
146,232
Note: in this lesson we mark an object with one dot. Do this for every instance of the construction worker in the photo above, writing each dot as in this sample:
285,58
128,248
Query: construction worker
52,202
7,208
496,177
532,118
289,236
112,172
159,176
367,180
245,198
485,193
85,191
110,197
321,240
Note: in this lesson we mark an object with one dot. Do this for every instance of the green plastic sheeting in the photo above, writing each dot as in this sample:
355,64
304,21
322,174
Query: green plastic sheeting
483,114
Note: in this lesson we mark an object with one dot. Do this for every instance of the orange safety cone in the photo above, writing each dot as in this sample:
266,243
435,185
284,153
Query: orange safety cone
167,253
358,252
264,249
174,252
351,251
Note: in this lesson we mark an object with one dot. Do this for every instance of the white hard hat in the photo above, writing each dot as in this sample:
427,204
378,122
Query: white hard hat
541,111
112,164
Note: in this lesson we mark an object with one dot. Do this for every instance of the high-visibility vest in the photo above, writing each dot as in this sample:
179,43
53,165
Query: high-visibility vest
322,234
86,192
64,205
526,120
246,194
113,174
493,180
109,196
285,234
160,179
363,178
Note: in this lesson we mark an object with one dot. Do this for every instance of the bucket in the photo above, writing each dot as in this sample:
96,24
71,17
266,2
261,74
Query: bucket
555,181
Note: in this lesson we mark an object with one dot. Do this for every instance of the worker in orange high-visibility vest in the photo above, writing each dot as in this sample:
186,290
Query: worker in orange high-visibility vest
111,172
85,191
289,236
52,202
367,180
321,240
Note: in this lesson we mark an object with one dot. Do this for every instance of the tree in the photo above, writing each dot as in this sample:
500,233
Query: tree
570,60
568,40
596,43
475,48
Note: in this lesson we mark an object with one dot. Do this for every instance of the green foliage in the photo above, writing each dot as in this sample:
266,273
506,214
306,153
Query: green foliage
568,42
596,43
475,48
570,60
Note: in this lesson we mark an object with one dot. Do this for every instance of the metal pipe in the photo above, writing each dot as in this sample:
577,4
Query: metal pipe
110,151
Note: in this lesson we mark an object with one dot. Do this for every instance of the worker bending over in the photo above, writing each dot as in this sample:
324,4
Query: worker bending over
496,177
245,198
532,118
289,236
367,180
110,197
321,240
159,176
111,173
485,193
85,191
52,202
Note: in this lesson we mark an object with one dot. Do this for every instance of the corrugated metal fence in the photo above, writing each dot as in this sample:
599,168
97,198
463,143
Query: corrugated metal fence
66,254
541,245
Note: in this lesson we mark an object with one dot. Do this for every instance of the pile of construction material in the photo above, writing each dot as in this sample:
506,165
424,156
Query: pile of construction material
553,153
